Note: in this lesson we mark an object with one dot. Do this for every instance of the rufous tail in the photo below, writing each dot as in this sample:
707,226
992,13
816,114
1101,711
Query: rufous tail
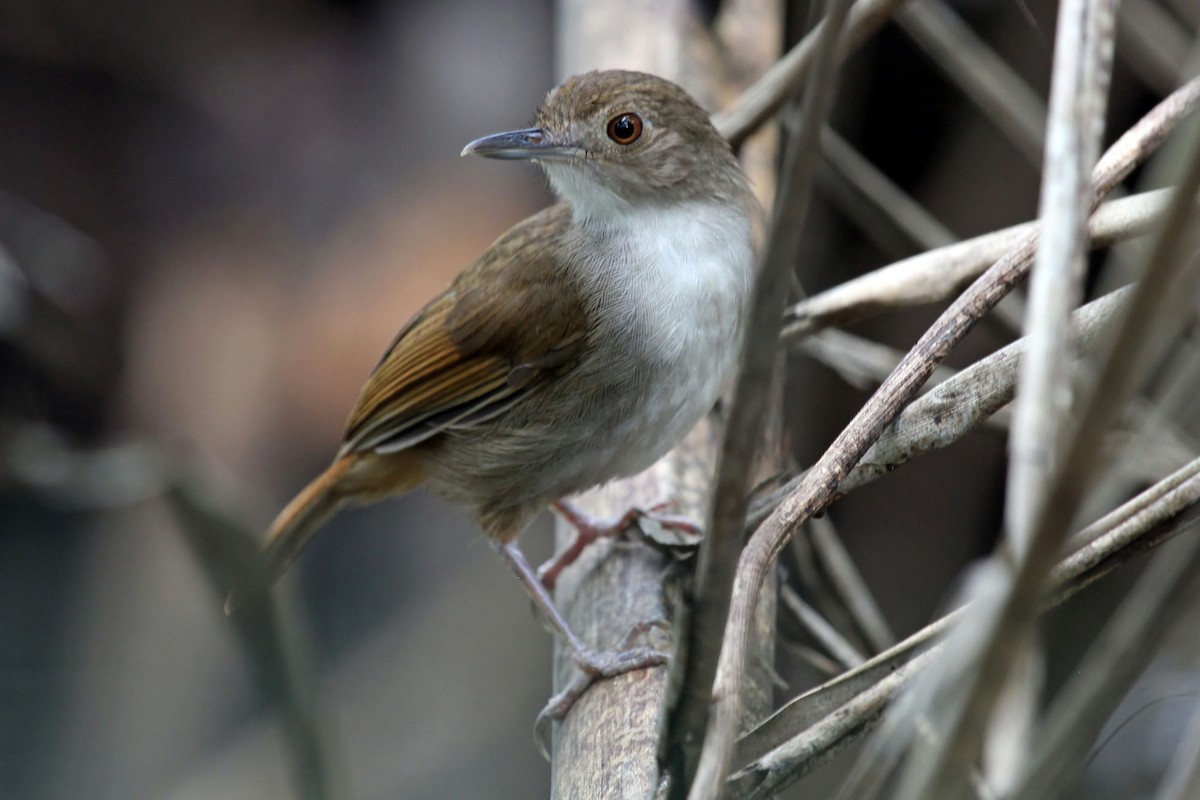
356,477
298,521
304,515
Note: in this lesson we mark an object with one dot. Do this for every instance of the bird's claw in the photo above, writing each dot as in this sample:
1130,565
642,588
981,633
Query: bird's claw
595,665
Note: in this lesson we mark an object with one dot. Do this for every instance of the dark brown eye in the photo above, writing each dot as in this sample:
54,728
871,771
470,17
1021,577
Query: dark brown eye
625,128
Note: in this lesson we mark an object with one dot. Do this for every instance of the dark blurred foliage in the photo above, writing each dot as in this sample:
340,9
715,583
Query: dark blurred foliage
213,217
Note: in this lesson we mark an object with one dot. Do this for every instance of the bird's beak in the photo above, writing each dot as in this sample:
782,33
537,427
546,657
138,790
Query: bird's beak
531,143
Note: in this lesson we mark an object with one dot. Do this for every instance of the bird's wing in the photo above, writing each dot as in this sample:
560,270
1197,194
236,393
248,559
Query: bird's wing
506,324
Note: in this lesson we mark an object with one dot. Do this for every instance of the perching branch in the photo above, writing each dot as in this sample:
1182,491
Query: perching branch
608,745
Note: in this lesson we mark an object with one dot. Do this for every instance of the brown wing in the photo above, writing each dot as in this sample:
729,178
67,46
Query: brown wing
506,323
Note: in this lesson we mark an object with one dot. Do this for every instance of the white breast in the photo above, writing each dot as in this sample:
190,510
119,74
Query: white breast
678,294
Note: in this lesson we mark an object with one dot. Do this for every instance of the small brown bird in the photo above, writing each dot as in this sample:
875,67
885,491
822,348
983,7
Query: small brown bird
580,347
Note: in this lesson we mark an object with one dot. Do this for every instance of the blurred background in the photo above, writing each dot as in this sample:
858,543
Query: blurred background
213,218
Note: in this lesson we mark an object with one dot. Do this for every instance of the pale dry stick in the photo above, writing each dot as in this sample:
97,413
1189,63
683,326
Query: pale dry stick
1011,731
829,735
768,94
933,276
802,712
957,406
1081,74
790,744
978,395
1154,313
982,75
1155,46
819,486
1092,547
722,542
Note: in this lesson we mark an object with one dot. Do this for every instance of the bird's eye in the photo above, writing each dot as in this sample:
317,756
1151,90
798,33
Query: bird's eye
625,128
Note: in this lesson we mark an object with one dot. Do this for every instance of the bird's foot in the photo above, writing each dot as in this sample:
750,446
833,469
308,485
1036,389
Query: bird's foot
588,529
595,665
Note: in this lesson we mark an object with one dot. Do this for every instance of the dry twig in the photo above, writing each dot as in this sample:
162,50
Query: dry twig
937,274
820,485
814,726
1137,342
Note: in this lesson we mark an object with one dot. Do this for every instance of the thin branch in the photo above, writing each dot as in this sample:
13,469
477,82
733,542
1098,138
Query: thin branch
960,402
983,76
952,409
936,275
859,362
798,715
1138,340
1119,530
791,743
1078,99
820,485
830,734
719,549
887,214
768,94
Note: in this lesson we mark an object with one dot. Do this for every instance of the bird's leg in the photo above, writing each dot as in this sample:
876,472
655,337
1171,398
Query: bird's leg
593,663
588,529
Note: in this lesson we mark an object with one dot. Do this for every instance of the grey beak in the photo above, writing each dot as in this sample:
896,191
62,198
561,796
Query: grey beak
531,143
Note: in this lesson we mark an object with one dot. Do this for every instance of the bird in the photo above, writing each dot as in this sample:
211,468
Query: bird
581,346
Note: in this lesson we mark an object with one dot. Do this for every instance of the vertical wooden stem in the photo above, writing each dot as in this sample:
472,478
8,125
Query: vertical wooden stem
607,745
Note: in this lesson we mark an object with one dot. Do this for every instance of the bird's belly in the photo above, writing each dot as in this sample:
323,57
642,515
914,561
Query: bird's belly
666,378
675,398
662,343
